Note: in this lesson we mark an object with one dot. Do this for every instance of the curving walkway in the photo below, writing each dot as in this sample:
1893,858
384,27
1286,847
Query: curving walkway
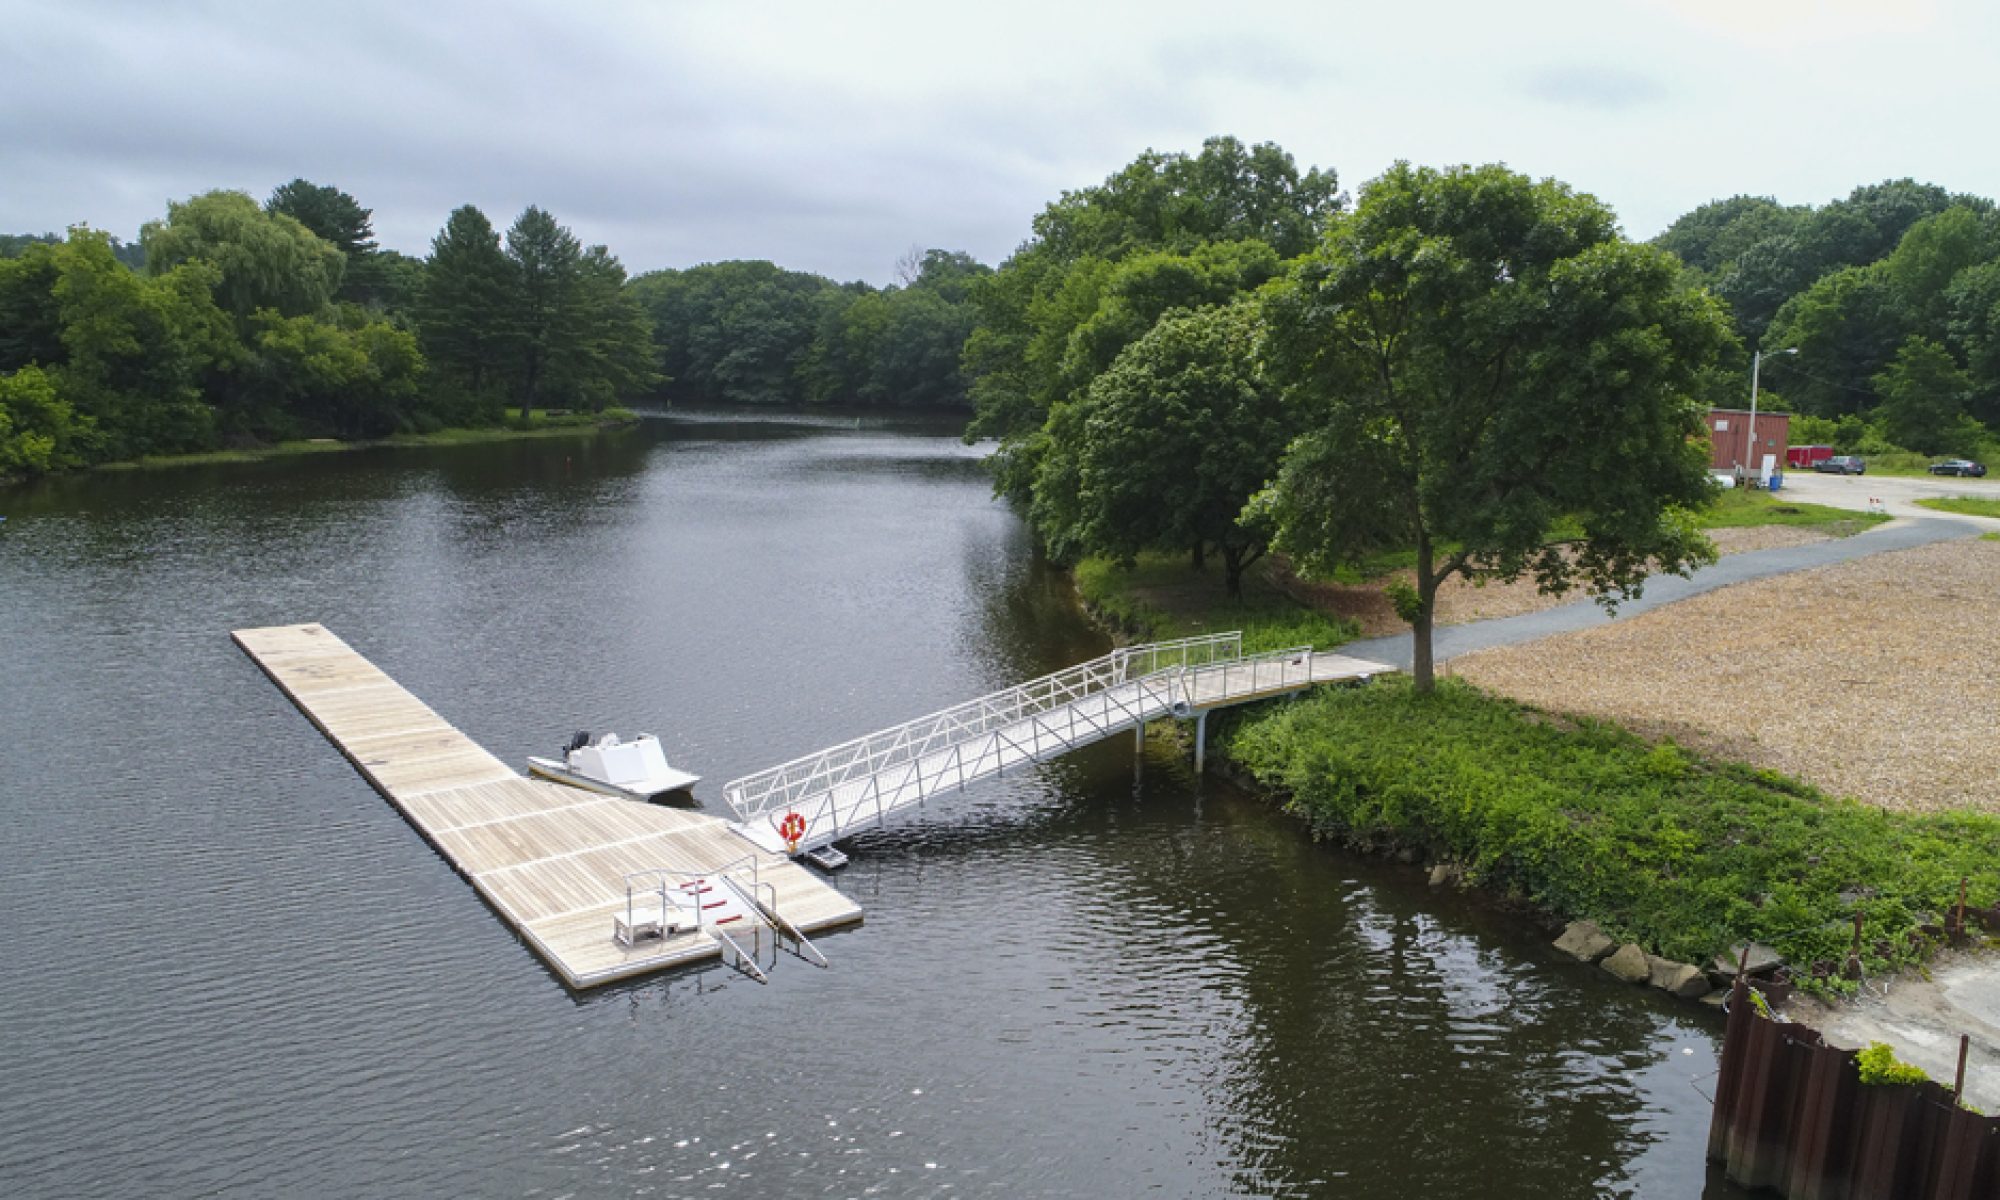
1449,641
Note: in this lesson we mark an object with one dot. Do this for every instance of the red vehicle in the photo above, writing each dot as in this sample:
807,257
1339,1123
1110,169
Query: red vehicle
1808,456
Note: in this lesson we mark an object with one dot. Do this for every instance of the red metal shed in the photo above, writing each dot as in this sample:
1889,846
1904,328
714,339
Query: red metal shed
1729,438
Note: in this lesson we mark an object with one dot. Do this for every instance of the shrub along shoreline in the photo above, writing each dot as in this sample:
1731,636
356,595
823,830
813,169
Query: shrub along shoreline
542,425
1679,853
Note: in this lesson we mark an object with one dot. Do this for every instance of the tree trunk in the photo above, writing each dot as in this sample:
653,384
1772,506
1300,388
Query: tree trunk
1420,628
1199,559
1232,565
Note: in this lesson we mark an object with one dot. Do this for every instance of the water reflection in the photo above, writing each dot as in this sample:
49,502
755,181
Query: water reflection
1066,983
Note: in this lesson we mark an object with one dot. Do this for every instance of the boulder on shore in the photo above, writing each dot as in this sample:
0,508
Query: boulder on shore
1585,942
1629,964
1676,978
1757,959
1446,874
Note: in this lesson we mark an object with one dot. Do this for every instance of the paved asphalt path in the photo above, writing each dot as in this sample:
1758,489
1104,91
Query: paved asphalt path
1449,641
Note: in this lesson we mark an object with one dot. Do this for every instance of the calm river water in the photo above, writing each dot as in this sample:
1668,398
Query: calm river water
231,968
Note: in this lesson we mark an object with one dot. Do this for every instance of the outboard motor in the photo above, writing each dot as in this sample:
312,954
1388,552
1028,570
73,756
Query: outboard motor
576,743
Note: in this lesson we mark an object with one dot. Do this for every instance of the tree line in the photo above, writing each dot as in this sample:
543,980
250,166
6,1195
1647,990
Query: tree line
231,322
1223,355
1891,296
244,322
750,332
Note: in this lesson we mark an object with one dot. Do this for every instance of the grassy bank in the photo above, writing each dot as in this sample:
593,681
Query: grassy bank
1681,854
1741,507
1162,597
1965,505
539,425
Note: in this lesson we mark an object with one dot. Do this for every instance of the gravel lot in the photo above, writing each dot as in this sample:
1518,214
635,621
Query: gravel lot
1873,678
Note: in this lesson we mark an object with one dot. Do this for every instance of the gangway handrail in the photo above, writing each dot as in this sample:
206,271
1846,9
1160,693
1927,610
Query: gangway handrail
754,795
1152,696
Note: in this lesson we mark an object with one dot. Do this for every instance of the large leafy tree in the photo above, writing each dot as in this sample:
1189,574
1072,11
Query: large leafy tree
139,352
354,379
1494,366
1972,326
1020,352
263,259
1167,446
39,430
1923,396
1846,327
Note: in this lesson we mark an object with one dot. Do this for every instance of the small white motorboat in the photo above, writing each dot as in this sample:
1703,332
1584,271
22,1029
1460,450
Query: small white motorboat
636,770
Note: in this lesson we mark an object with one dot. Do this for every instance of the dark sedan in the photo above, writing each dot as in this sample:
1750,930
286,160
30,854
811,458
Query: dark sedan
1842,464
1959,466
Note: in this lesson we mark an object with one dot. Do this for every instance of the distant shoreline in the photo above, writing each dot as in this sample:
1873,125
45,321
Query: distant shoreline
610,419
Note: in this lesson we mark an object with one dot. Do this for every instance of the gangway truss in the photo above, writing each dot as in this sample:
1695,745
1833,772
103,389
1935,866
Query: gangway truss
844,789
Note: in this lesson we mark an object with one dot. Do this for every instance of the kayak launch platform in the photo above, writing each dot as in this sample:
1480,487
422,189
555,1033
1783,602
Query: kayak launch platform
570,870
605,888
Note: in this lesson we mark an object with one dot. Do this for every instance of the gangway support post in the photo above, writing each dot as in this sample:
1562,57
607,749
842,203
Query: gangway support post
1200,740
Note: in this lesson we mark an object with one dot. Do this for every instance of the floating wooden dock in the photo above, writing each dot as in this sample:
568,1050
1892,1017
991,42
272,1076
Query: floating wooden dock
551,860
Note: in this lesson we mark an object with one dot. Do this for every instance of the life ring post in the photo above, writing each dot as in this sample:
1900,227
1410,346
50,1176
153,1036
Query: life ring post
792,828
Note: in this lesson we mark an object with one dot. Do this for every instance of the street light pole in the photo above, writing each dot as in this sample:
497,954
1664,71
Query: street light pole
1750,449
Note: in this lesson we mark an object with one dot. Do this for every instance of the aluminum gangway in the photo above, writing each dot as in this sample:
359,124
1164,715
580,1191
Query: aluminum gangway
844,789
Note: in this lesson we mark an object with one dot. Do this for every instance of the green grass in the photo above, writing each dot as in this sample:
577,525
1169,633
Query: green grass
1739,507
1679,853
1735,508
541,425
1965,505
1162,597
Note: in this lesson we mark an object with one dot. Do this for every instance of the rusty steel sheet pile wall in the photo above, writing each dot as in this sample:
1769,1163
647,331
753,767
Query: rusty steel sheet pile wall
1792,1115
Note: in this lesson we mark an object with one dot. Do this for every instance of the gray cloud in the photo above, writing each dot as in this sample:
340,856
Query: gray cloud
834,137
1578,85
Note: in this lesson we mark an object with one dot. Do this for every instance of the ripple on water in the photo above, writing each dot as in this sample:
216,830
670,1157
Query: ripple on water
228,950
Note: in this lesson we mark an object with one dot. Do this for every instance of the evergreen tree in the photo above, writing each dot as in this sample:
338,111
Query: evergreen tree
548,268
337,218
465,311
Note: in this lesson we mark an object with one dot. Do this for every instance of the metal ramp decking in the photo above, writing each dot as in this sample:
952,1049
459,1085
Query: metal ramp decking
846,788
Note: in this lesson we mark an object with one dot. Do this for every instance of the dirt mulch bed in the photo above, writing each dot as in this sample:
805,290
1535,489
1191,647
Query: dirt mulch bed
1873,678
1460,600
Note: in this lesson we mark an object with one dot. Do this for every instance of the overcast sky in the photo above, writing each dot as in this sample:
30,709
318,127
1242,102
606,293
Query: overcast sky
833,137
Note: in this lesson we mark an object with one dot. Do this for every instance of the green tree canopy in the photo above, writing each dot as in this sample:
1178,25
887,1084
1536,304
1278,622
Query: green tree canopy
1167,446
548,262
332,215
263,259
1026,354
735,332
1711,238
1491,363
1923,397
338,218
352,381
465,311
39,430
1846,327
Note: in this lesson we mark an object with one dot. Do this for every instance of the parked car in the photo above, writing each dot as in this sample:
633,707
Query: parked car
1959,466
1843,464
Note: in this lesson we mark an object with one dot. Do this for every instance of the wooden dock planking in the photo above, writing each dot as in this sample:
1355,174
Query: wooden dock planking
550,859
